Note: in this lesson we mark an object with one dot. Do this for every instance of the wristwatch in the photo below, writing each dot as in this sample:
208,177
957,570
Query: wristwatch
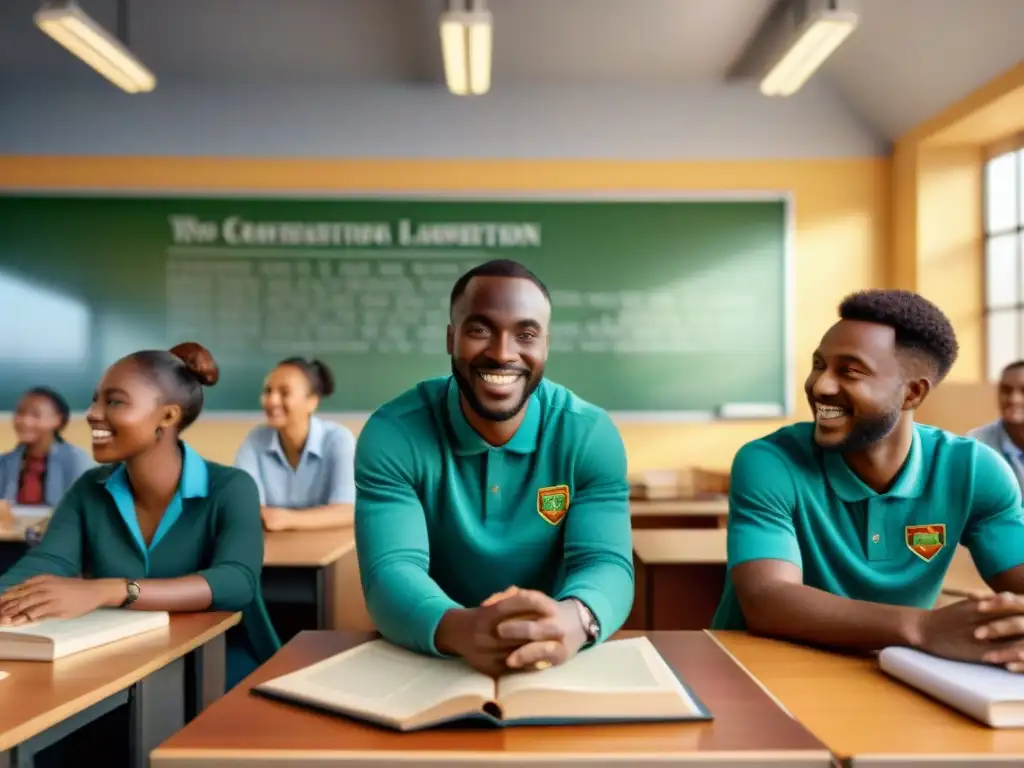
590,626
133,589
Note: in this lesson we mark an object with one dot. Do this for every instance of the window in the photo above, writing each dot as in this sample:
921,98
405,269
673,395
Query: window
1004,260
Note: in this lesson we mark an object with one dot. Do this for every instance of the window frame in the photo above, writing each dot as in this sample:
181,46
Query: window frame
995,360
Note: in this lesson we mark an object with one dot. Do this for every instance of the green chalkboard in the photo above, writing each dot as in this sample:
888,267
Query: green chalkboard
662,308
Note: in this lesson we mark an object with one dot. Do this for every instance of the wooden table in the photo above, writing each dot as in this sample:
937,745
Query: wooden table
748,728
299,567
702,512
165,677
679,578
866,717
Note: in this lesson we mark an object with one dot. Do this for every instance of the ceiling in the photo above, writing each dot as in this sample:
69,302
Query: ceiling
907,60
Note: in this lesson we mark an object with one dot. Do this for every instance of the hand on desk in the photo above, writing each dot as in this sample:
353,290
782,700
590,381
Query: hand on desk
6,515
276,518
985,628
54,597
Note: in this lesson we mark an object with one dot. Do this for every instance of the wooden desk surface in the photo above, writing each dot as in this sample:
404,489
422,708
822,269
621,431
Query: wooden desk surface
680,547
679,507
859,712
307,548
39,694
244,729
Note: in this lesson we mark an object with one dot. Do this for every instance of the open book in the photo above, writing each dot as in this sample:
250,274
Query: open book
618,681
50,639
989,694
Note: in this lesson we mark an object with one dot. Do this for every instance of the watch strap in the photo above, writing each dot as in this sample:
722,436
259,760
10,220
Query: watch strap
591,628
132,590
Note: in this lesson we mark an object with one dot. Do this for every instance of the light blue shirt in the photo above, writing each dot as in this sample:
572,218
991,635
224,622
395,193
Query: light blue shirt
64,464
994,436
325,473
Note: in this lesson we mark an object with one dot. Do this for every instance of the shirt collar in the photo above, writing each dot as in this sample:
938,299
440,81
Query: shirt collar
314,440
1006,445
468,441
850,488
195,478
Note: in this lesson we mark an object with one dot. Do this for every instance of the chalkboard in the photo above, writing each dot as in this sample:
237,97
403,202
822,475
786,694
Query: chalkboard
663,308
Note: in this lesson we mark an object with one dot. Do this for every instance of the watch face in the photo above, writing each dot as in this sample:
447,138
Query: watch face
133,590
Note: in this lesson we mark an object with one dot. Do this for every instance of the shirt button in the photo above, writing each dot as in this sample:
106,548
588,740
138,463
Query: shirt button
495,489
876,538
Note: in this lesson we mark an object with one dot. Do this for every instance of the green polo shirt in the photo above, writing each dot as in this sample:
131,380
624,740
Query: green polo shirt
212,528
443,519
788,500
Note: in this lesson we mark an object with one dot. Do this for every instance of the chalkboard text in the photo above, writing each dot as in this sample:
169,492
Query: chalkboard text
238,231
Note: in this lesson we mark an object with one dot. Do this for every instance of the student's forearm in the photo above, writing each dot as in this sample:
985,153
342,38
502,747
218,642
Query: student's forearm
805,614
606,588
319,518
187,593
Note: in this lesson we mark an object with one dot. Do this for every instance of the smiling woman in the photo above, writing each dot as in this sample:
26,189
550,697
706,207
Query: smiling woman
157,527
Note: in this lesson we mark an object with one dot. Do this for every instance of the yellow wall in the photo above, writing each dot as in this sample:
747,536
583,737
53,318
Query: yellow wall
938,236
842,211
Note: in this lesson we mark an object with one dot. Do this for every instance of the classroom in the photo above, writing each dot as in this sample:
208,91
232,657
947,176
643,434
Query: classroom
277,199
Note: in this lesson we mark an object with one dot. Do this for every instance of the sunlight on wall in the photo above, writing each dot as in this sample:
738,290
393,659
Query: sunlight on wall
60,329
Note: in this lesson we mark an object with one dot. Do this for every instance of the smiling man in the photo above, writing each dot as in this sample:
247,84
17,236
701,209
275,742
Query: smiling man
1006,435
492,514
841,530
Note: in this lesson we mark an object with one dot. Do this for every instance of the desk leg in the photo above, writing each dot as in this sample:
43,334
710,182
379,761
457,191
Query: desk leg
156,711
325,579
205,676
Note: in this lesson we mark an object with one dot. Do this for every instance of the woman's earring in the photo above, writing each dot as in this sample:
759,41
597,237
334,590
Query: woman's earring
159,432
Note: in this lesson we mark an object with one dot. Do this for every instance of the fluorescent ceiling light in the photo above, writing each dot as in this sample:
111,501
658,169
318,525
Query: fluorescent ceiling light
813,42
466,43
74,29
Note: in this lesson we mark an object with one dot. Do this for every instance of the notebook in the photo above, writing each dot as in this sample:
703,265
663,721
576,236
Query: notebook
990,695
50,639
617,681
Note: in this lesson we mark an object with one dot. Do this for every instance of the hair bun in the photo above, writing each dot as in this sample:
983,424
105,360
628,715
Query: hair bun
326,377
199,362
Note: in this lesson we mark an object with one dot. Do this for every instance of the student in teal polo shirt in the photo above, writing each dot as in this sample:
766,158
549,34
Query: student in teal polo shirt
841,530
494,480
158,528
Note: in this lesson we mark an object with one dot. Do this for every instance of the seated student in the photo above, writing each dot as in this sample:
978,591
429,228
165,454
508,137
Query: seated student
42,468
302,465
159,528
493,480
1006,434
841,531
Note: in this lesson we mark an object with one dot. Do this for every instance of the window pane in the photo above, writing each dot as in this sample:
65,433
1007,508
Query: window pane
1020,187
1002,331
1001,192
1001,277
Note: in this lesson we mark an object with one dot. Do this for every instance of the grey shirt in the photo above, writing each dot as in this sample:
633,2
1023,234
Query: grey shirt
994,436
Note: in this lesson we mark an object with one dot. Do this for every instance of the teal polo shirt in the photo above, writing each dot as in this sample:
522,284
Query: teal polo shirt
788,500
443,519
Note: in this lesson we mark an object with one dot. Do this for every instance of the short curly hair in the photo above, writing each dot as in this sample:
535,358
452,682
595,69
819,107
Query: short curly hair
921,327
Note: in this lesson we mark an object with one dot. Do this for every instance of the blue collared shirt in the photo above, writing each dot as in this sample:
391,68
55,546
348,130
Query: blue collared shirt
325,473
64,464
994,436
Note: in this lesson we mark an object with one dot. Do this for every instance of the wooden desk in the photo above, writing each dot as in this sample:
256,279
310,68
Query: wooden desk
299,567
165,677
710,512
679,578
748,729
865,717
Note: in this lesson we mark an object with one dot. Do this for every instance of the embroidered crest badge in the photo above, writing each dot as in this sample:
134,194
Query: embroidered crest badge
925,541
553,503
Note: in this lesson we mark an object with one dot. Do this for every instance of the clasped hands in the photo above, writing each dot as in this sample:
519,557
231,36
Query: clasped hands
980,628
518,629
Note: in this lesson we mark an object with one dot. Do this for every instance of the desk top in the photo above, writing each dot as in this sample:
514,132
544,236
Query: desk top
243,729
49,692
860,712
680,547
310,549
679,507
